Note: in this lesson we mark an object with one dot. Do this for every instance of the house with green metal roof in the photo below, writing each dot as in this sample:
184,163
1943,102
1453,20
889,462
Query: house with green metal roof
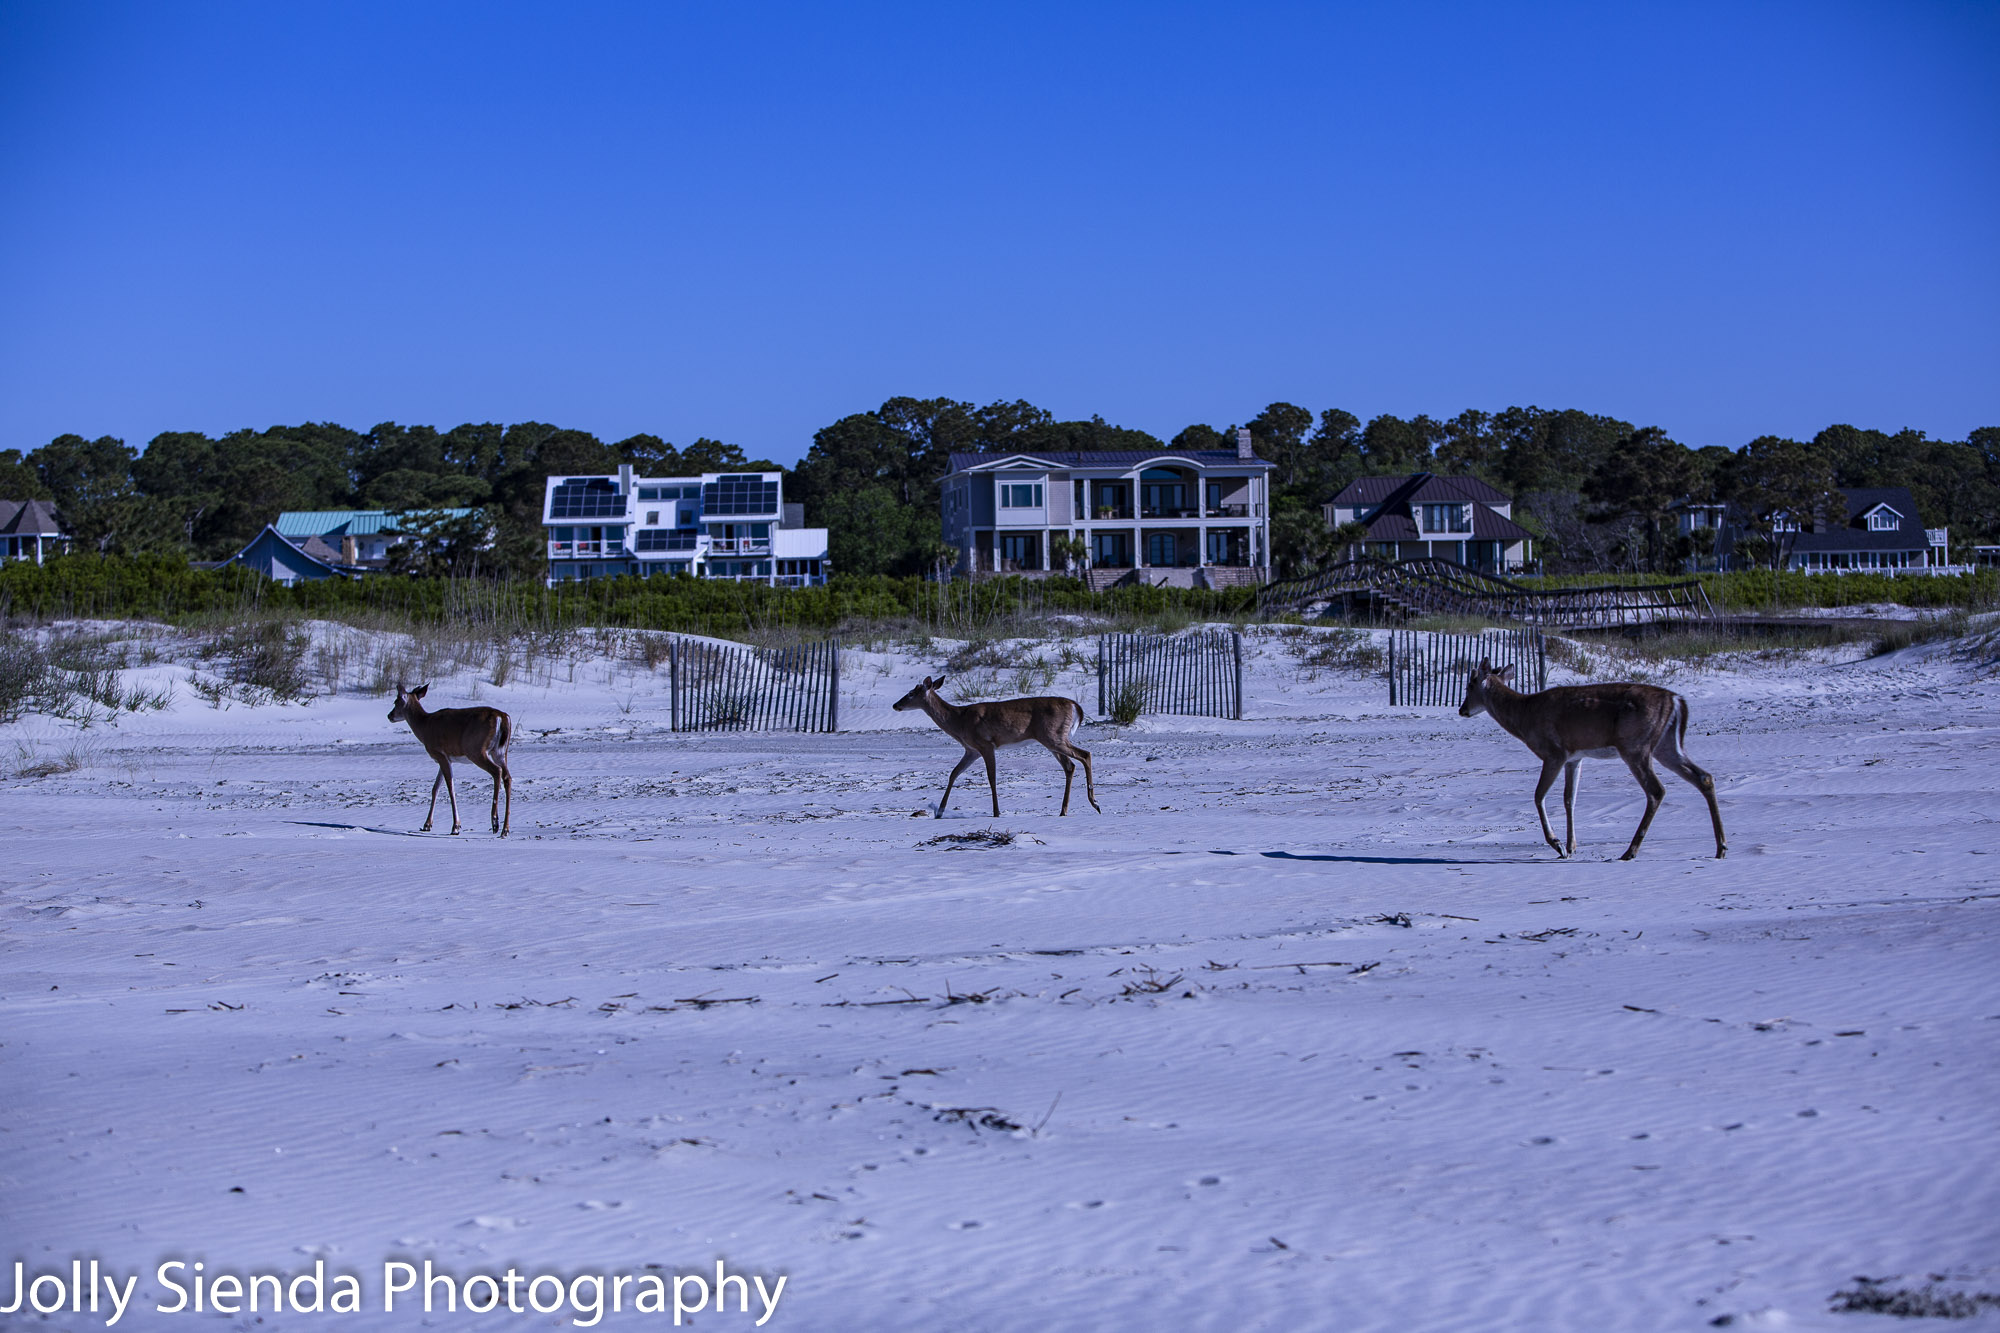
359,537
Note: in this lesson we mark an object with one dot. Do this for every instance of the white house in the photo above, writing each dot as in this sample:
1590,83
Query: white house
29,531
719,525
1186,517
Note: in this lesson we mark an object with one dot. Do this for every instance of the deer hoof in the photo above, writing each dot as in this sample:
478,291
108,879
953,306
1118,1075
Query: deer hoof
1630,852
425,829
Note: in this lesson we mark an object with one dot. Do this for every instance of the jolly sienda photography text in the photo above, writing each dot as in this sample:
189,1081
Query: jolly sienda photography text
404,1287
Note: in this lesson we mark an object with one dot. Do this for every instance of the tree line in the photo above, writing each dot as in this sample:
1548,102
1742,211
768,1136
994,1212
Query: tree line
1595,490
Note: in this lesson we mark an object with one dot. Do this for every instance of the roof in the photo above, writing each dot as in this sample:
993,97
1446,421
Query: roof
1122,459
1392,498
270,547
1854,535
28,518
1423,486
350,522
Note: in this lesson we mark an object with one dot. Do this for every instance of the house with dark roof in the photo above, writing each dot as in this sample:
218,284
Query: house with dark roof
29,531
1882,532
1461,519
1185,517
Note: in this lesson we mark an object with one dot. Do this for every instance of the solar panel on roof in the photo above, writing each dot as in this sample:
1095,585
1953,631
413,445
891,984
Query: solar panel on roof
586,498
740,495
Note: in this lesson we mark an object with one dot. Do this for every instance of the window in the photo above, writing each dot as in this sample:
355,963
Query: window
1160,548
1020,550
750,494
1884,519
1023,495
1214,496
1111,549
1082,509
649,492
666,539
653,517
1447,518
1110,499
586,497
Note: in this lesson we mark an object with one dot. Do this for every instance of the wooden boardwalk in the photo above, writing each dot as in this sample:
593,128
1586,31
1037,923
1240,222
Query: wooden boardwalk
1430,586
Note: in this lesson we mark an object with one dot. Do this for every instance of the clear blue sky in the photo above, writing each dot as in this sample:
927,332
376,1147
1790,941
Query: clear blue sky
746,221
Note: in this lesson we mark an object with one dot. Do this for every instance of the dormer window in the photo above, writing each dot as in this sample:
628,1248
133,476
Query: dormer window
1447,518
1784,523
1884,519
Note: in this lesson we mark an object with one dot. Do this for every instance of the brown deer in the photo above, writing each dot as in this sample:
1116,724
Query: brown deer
1636,723
984,728
478,734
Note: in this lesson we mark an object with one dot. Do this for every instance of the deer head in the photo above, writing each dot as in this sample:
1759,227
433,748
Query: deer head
1483,676
915,698
403,701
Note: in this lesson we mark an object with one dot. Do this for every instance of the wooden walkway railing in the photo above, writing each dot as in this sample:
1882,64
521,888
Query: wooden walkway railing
1432,586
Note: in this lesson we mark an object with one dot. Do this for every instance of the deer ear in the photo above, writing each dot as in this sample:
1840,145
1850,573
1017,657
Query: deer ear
420,691
1485,666
1506,672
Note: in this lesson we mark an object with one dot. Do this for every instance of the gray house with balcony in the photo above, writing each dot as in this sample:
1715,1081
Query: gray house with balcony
1190,518
719,525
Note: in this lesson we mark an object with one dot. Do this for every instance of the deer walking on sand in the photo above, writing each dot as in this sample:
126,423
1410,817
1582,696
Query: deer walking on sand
1564,726
985,727
478,734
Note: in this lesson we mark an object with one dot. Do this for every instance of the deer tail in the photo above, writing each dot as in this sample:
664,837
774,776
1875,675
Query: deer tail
1682,737
504,737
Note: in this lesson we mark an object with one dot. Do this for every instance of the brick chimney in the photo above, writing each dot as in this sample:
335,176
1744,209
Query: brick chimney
1243,449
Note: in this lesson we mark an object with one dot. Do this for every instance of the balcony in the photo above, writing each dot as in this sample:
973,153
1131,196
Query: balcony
1229,511
739,546
1113,512
1162,512
585,550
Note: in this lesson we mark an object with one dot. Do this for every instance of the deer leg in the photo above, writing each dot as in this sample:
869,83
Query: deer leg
1089,783
1550,767
451,793
1569,803
489,766
963,764
1642,769
430,813
1686,768
992,778
507,776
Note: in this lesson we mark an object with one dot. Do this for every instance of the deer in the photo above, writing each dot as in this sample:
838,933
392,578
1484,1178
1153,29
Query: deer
1564,726
478,734
984,727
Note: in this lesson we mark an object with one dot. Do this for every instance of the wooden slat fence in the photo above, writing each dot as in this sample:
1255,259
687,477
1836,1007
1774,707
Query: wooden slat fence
1430,670
1200,674
723,687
